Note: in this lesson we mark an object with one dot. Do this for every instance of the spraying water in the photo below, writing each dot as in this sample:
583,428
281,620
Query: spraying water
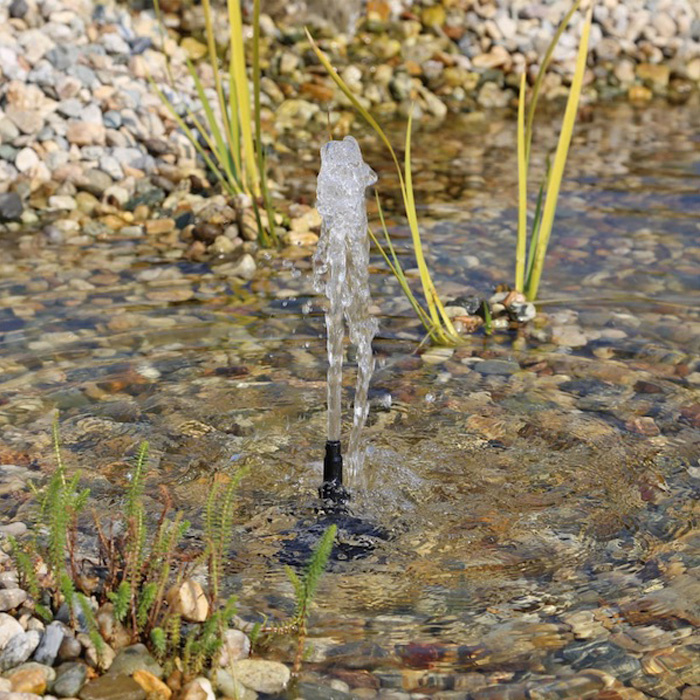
341,272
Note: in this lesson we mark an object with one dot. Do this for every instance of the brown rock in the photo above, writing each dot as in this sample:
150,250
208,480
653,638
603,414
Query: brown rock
28,680
154,687
639,93
643,425
159,226
691,414
654,75
85,134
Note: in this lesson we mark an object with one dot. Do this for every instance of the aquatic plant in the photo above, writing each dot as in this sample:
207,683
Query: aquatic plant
304,591
434,318
232,149
527,280
136,568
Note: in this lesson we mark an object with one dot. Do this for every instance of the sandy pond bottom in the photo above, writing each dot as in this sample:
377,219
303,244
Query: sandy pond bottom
527,526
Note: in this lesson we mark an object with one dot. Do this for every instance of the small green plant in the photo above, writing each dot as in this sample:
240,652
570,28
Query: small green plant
304,591
60,504
435,320
136,564
233,149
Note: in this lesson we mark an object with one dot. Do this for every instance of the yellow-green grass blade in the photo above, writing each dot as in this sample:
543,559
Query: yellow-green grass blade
214,62
233,116
540,76
259,150
221,150
522,193
435,307
560,159
221,177
396,268
535,229
398,273
243,95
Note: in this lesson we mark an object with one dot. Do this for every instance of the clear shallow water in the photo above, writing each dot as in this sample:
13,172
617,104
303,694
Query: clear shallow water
537,496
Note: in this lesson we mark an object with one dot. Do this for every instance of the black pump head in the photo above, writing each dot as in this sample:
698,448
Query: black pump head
332,486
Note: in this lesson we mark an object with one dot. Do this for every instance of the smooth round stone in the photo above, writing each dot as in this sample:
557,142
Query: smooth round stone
12,598
135,658
112,687
9,627
31,677
70,678
269,677
19,649
11,207
436,356
69,649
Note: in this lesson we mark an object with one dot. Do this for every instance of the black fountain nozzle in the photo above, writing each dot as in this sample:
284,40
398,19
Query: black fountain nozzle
332,487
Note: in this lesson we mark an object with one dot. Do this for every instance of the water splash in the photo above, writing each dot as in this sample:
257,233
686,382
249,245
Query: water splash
341,272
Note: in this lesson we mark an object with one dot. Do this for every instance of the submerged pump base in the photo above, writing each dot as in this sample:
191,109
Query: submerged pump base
332,488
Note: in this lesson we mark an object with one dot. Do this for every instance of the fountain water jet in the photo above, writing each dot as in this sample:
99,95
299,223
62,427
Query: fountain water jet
341,272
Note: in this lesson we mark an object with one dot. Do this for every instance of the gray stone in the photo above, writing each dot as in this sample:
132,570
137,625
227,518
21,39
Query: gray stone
47,651
62,57
497,367
135,658
269,677
72,107
8,130
85,75
16,529
112,119
19,649
70,678
18,8
70,648
315,691
231,688
94,181
12,598
11,207
111,166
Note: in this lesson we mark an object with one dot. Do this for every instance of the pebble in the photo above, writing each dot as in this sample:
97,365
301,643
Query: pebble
135,658
31,678
236,646
111,687
47,651
260,675
198,689
11,207
189,600
9,627
154,687
70,678
497,367
18,649
11,598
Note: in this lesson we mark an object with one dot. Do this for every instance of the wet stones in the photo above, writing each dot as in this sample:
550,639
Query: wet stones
11,207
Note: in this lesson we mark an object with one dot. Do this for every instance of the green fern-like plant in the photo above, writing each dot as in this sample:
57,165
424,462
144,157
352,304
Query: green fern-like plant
305,587
218,525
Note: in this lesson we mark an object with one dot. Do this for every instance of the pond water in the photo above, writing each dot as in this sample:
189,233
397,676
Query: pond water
527,524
